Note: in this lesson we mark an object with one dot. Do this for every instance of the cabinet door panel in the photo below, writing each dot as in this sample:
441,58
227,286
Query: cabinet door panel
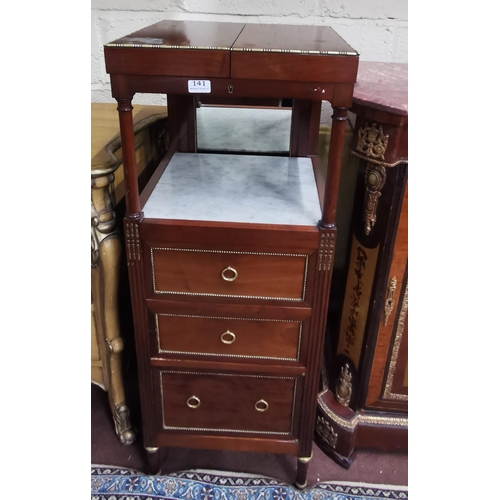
388,387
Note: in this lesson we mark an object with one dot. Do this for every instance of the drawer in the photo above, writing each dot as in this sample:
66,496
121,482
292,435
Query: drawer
227,402
229,273
226,336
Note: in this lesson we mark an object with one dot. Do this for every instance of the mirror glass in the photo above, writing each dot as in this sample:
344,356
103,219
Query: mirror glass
244,129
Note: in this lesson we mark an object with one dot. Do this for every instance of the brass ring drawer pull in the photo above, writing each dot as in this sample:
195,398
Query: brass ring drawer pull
227,337
261,405
193,402
229,270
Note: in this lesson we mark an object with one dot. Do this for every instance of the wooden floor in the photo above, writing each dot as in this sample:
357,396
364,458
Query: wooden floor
368,466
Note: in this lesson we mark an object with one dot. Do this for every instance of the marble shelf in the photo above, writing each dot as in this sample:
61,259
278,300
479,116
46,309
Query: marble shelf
236,188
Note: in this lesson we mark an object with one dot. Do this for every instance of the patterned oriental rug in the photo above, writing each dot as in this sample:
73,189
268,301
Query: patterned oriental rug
112,483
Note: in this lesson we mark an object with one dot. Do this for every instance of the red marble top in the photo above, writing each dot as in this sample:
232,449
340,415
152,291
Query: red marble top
382,86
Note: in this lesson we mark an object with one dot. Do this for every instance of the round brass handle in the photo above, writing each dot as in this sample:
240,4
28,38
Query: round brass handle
261,405
227,337
193,402
224,275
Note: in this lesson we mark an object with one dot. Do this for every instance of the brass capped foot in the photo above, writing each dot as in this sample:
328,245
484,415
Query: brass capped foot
301,486
302,466
154,461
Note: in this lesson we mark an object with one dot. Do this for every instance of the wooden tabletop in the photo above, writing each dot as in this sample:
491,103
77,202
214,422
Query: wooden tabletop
204,50
238,37
183,35
291,39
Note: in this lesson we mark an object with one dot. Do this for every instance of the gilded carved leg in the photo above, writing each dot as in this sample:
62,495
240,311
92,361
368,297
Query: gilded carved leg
106,252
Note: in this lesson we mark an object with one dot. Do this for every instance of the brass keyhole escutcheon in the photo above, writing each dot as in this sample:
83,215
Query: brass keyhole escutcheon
228,337
261,405
229,274
230,89
193,402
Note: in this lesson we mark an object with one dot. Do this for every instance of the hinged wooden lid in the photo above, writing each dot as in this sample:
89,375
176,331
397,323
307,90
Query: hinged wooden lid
234,50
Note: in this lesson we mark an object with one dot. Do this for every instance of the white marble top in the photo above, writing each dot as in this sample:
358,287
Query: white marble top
236,188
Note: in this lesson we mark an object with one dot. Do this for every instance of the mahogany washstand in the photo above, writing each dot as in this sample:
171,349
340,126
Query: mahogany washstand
230,257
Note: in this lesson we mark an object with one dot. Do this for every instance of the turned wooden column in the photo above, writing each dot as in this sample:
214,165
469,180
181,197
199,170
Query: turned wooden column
334,167
322,285
133,208
133,252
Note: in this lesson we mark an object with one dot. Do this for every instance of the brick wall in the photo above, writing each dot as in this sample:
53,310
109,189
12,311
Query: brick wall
378,30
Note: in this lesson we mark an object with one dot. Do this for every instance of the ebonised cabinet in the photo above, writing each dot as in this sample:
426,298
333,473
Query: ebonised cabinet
364,402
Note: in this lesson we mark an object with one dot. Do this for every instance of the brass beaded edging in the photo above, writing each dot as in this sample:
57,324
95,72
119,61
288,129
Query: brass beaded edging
232,49
305,276
226,317
238,252
203,294
280,433
195,294
351,424
162,46
245,356
183,372
378,162
207,429
388,394
295,51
